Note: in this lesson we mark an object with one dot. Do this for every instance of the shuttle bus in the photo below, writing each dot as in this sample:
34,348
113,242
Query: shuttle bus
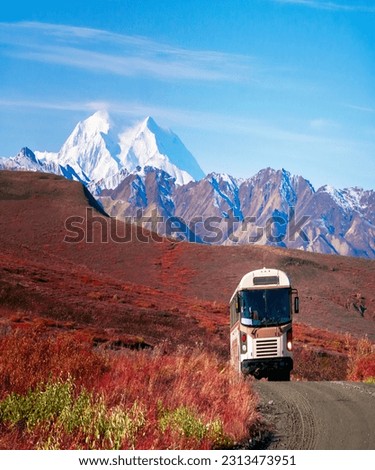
261,312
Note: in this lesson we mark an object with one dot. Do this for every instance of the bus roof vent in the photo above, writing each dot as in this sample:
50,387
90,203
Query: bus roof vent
265,280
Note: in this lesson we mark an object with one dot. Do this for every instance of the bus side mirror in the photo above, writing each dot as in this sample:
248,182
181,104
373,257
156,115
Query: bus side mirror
296,304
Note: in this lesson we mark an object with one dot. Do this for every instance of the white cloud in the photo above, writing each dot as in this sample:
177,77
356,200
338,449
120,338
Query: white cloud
323,124
327,5
104,51
365,109
201,120
64,106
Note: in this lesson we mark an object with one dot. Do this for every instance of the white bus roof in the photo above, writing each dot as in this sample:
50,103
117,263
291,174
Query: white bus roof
263,279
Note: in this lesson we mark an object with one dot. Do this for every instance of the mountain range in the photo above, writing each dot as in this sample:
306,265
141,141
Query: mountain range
145,174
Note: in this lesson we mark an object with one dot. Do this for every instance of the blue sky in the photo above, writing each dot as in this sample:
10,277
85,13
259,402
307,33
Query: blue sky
245,84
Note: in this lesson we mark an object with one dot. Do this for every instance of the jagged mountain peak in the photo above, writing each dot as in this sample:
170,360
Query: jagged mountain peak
336,195
24,160
25,152
91,149
150,124
98,122
148,144
94,127
223,179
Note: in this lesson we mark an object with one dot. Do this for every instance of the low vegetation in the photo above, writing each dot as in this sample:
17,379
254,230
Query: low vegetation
322,355
60,393
318,365
361,361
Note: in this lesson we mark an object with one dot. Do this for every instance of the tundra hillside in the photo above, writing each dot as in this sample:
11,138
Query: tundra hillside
89,323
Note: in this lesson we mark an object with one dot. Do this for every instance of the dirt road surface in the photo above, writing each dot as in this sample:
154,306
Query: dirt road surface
319,415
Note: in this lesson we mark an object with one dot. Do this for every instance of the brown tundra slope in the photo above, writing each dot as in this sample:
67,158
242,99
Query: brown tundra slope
122,286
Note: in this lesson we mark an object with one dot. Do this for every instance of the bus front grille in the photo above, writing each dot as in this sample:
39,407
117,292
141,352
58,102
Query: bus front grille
266,347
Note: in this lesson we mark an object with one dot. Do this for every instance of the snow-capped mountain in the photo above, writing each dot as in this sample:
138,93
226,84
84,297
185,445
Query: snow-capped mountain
146,168
91,149
148,145
25,160
101,156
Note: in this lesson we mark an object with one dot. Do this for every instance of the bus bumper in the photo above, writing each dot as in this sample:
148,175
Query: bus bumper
264,367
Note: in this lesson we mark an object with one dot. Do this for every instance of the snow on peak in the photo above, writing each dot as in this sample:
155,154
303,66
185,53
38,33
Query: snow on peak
27,154
98,122
24,160
91,149
354,196
150,124
349,198
229,180
45,156
340,197
147,144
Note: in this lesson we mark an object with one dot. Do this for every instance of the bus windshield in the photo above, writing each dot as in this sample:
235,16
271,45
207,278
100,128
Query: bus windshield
265,307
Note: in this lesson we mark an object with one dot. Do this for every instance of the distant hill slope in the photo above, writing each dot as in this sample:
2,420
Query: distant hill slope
153,287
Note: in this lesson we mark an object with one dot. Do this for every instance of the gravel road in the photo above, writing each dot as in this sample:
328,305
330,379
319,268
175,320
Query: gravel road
319,415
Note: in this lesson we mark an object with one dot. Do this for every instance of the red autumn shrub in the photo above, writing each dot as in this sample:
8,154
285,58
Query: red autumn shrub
361,364
31,356
185,399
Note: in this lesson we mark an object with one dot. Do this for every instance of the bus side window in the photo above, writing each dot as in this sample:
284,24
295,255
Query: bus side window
238,303
232,314
235,308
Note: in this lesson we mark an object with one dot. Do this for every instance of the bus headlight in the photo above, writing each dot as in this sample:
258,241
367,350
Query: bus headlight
289,340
